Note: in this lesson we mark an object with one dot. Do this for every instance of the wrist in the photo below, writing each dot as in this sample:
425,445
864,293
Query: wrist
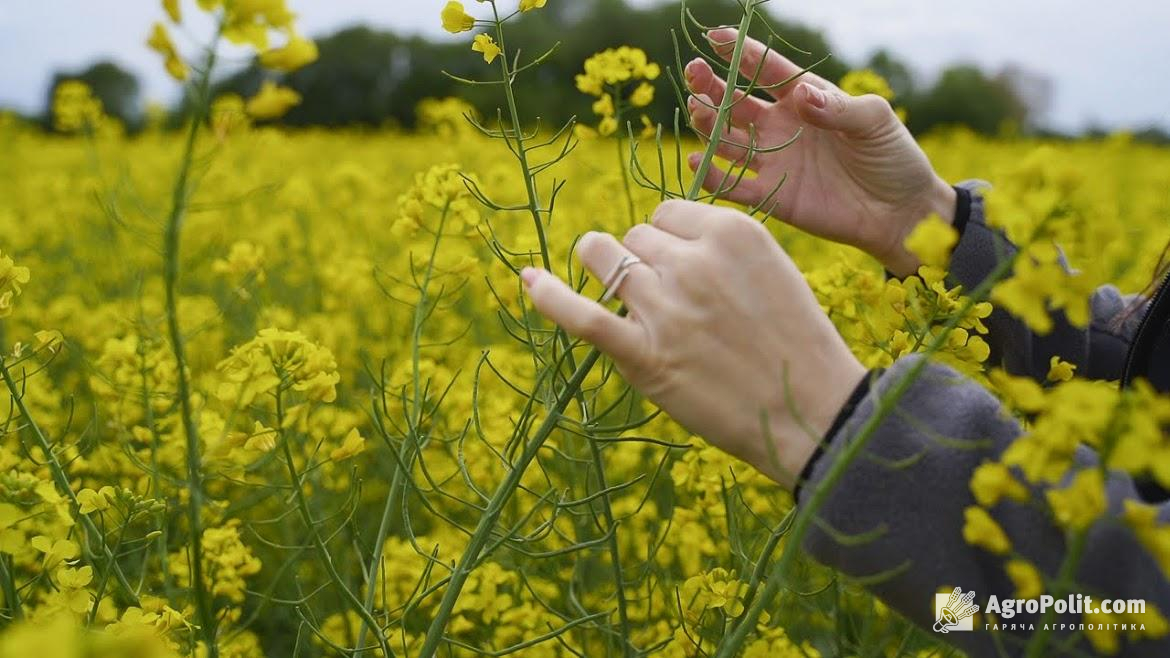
796,441
941,200
860,391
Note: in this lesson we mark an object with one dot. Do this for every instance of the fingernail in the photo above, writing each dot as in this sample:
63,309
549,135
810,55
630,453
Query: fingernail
529,275
719,34
816,97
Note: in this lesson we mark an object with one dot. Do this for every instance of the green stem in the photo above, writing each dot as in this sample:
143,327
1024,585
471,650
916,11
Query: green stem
155,480
534,209
179,199
318,542
521,151
11,596
721,117
495,508
615,553
410,444
1038,643
101,588
621,147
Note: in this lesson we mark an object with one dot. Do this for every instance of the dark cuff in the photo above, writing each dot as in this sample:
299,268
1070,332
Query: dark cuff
962,210
855,398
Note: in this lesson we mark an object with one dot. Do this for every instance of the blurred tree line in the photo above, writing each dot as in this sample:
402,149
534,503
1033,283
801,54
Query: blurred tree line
372,77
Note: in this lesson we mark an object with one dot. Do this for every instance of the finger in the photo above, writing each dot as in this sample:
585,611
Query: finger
601,254
688,220
734,142
620,338
728,185
652,244
833,109
768,67
702,80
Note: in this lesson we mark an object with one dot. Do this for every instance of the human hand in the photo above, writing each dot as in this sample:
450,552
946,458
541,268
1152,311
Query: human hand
723,333
856,175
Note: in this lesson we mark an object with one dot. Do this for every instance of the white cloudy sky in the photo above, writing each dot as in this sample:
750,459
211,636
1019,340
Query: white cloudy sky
1110,60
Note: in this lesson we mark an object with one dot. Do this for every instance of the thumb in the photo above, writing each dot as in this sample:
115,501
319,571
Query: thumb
832,109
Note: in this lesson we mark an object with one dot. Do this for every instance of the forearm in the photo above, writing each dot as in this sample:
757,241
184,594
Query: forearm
1014,346
909,489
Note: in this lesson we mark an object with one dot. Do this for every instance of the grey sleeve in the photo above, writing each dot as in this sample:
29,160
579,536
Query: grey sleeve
1098,351
906,493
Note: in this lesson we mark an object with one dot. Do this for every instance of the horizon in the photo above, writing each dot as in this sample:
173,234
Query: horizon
35,42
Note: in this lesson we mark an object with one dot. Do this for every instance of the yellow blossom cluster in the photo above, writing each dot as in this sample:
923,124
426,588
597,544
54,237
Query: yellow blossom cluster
455,19
276,361
620,79
249,23
884,319
76,109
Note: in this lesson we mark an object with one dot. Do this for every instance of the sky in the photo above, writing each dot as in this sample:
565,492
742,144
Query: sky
1110,62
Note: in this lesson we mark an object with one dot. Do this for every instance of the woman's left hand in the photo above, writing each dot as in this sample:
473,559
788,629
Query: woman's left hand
723,333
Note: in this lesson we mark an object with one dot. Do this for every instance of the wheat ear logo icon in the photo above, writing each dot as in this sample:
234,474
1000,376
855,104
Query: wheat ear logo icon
958,608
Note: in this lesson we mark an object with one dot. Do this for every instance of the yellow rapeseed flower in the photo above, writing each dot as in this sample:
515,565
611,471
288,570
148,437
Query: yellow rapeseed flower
1082,502
484,43
1060,370
931,241
297,53
1024,575
249,21
173,10
981,530
272,101
1103,628
993,481
350,446
12,277
95,501
643,95
1150,532
160,42
456,19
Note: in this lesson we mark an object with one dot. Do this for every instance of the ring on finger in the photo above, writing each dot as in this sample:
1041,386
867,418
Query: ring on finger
613,281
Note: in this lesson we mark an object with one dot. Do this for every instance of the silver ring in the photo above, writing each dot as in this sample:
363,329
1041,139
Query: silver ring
617,276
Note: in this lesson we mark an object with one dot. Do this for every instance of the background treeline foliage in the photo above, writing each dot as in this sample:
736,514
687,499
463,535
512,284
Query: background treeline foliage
372,77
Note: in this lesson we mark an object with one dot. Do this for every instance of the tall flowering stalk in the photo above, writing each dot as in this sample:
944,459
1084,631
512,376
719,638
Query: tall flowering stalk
443,189
620,79
241,24
179,199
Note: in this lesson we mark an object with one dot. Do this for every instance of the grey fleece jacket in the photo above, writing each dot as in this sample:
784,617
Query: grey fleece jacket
910,488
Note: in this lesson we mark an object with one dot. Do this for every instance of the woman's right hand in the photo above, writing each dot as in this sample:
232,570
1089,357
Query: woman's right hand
855,175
